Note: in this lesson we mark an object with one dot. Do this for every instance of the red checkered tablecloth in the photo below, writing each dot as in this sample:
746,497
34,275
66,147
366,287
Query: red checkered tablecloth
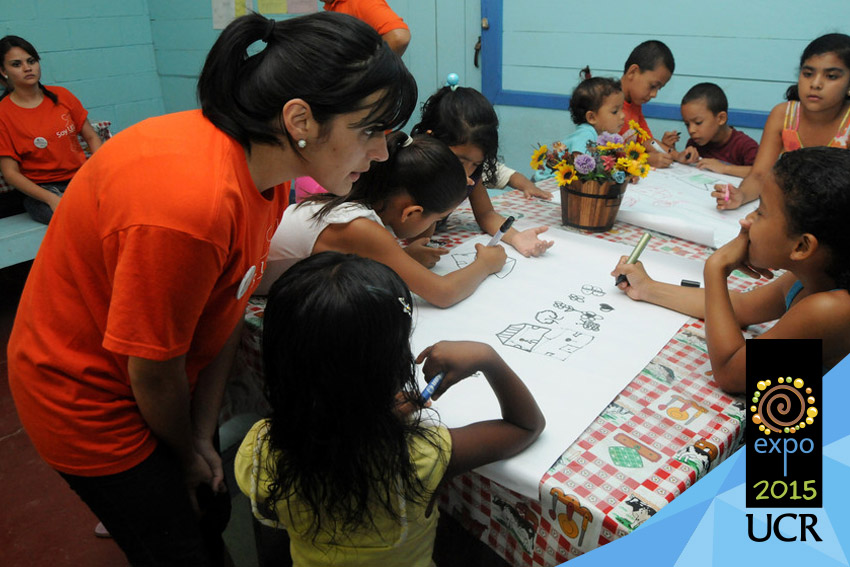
663,432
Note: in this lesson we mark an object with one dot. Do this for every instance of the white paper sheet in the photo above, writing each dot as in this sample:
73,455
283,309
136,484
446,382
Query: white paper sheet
585,339
677,201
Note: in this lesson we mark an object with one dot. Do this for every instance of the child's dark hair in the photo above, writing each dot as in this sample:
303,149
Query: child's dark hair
425,168
589,95
332,61
816,187
336,349
7,43
837,43
463,116
713,95
649,54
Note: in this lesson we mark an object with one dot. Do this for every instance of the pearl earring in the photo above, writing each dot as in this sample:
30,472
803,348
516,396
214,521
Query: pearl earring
302,143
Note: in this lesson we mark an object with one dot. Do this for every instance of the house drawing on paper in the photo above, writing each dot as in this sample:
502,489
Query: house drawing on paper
556,343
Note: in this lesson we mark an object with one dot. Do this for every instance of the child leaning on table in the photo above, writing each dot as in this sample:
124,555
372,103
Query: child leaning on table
464,120
347,463
713,144
420,182
800,227
817,114
596,106
649,67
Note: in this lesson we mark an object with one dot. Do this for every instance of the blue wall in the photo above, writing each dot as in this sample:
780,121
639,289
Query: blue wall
101,50
751,49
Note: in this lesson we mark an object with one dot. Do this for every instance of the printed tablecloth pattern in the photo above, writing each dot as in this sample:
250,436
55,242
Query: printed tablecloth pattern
665,430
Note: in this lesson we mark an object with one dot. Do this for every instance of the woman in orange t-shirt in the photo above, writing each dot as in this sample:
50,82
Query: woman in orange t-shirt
39,150
130,318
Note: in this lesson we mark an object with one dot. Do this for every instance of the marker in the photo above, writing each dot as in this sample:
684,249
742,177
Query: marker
657,146
726,193
432,385
690,283
634,255
502,230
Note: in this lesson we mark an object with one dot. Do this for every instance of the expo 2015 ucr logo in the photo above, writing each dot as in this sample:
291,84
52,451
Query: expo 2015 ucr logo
782,408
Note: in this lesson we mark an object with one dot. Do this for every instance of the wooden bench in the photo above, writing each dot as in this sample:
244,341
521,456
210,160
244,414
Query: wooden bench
20,236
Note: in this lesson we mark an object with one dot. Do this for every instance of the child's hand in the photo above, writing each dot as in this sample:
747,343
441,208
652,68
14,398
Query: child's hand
528,244
728,196
689,155
426,255
670,138
734,255
660,159
494,257
712,164
638,280
530,190
458,359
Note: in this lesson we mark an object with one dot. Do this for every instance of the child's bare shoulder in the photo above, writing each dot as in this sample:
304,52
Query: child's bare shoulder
832,308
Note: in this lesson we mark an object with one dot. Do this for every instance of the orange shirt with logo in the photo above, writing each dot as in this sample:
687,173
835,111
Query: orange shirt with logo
43,140
376,13
153,253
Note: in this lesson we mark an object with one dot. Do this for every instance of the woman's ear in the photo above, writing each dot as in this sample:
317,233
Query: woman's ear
297,119
807,245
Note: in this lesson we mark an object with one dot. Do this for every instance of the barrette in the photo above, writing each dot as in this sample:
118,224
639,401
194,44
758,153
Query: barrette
407,142
406,306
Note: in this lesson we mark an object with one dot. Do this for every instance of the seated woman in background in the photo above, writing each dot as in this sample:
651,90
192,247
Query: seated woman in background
39,149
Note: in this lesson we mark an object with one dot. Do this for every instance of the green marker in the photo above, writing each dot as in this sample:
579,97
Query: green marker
635,255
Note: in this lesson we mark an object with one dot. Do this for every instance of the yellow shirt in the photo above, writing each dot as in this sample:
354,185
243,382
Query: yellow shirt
407,543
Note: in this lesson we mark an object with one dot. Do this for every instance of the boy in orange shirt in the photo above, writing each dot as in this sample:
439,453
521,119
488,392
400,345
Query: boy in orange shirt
648,68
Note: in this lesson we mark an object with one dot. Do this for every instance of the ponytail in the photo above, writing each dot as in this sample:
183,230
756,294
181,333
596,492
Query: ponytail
331,61
585,73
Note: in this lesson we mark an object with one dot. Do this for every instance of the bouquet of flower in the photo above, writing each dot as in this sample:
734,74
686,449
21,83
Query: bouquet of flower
611,158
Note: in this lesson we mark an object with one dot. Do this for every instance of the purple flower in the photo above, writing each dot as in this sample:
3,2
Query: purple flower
606,137
584,164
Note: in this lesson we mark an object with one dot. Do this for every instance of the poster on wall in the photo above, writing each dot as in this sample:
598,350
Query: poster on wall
224,11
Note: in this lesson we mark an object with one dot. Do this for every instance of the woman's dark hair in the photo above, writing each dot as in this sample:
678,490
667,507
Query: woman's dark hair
713,95
7,43
649,54
589,96
332,61
426,169
336,349
816,187
837,43
463,116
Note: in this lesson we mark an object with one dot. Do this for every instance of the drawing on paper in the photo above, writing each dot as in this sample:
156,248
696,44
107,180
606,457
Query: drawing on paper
463,260
555,343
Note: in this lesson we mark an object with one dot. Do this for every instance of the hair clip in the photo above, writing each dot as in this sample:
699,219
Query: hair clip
407,142
406,306
452,81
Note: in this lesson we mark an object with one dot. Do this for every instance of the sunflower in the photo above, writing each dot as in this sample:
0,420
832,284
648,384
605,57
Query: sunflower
565,173
634,168
636,152
642,135
644,169
537,157
609,146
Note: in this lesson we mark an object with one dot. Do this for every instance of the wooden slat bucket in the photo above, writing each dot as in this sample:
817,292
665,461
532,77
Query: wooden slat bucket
590,205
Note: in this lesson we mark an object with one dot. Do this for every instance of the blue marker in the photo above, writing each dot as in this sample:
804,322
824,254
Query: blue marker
502,230
432,385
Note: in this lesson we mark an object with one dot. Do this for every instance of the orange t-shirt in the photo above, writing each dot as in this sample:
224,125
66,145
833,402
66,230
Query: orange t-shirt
634,112
376,13
43,140
154,251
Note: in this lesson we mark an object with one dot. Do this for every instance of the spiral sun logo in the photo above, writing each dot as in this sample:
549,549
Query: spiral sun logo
785,407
